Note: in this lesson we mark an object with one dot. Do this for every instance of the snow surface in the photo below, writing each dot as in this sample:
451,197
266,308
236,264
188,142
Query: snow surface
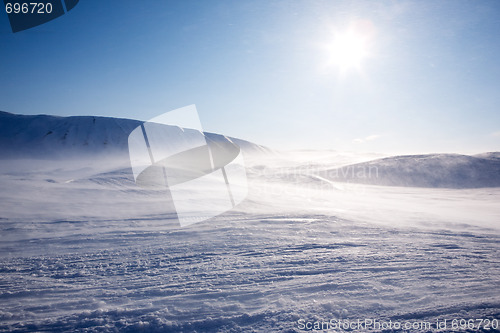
82,248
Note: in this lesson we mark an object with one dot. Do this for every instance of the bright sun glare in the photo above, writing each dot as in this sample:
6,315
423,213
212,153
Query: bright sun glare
350,47
347,50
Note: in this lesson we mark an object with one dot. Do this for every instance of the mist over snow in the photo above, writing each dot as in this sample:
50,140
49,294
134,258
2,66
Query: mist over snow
322,235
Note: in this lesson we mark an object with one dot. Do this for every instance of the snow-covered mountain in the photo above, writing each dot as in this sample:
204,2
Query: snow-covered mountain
433,170
45,136
490,155
49,137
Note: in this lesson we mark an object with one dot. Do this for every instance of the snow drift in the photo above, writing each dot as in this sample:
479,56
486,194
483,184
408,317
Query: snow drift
82,248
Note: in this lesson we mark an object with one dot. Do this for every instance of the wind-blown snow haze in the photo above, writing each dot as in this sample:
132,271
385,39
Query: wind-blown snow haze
321,236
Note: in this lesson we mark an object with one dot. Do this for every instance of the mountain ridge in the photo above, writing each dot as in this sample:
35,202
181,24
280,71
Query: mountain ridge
56,137
430,170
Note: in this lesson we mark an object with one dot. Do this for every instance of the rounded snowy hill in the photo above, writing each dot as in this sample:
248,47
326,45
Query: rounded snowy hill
48,137
45,136
433,170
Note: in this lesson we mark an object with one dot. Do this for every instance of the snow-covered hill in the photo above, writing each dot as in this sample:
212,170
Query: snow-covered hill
49,137
491,155
434,170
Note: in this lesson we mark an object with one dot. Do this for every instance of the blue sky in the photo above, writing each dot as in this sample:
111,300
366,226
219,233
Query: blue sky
428,80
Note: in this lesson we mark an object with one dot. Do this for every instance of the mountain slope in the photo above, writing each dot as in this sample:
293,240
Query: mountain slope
434,170
49,137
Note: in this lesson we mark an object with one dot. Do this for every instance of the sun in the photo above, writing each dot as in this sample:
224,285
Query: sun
347,50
